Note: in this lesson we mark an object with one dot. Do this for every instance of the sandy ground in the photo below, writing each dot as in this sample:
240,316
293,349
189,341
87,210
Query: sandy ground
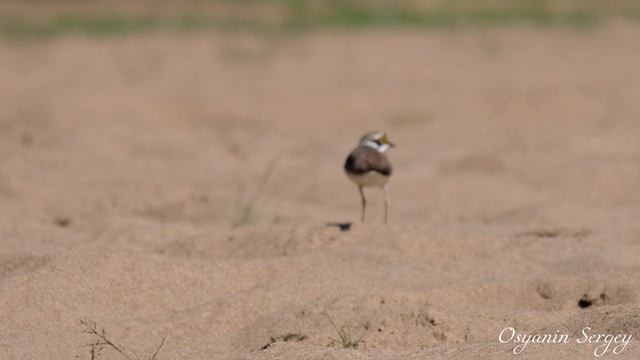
179,186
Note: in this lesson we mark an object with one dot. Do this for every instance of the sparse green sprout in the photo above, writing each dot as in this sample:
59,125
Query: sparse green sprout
246,208
346,341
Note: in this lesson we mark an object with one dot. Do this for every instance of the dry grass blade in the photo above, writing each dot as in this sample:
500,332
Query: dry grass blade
90,327
155,354
95,350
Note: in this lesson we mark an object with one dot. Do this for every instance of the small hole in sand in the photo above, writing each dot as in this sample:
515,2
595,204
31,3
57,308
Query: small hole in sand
62,221
585,302
26,139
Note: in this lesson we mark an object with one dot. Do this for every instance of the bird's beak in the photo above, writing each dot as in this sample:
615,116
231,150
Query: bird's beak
392,144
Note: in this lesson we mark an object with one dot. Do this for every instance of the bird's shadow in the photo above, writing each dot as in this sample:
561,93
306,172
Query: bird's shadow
343,226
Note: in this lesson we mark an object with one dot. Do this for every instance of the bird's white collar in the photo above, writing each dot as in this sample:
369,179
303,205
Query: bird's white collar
380,147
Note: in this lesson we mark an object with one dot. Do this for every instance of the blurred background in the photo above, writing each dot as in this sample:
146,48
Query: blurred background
39,18
134,114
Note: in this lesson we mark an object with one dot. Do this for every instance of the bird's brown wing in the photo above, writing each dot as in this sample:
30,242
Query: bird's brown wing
364,159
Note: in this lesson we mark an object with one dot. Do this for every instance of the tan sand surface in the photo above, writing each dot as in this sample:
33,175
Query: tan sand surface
179,187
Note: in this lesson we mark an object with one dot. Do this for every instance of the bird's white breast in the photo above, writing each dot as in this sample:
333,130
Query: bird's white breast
371,178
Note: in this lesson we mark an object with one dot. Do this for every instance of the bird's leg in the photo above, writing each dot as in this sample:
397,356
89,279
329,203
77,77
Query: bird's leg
364,203
386,203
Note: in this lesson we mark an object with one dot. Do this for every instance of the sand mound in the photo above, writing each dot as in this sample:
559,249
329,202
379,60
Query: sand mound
254,288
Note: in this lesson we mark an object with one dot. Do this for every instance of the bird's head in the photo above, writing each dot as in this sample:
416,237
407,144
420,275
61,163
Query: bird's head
377,140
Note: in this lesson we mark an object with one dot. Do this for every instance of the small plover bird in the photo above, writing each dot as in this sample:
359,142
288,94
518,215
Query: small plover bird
367,165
